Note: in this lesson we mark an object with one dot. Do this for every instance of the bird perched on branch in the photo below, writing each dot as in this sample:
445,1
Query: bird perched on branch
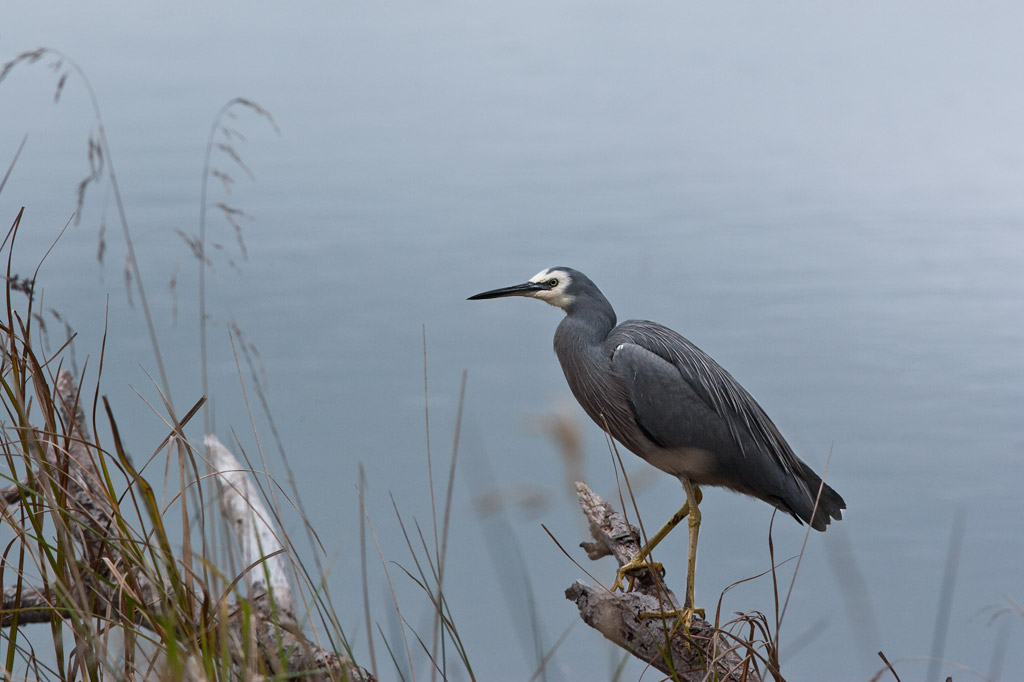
669,403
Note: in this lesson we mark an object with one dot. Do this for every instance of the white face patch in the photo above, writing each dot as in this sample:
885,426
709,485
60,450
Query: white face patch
557,295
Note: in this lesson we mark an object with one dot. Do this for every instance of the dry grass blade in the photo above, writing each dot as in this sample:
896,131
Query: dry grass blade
14,160
394,595
945,610
888,665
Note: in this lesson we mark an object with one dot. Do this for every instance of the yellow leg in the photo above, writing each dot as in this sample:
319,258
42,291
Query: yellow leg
693,498
686,613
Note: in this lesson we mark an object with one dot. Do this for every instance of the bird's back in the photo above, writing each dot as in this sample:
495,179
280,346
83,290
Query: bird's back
690,417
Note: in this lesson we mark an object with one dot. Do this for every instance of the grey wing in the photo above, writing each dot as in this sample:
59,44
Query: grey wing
699,404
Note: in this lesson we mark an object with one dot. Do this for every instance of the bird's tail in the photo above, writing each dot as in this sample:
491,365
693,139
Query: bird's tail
826,505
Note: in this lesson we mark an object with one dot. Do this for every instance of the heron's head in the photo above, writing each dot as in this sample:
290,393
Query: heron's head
556,286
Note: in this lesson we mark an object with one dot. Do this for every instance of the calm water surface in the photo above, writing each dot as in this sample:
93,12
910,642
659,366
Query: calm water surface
826,198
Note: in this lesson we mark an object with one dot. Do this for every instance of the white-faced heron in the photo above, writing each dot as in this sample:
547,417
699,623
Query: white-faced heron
670,403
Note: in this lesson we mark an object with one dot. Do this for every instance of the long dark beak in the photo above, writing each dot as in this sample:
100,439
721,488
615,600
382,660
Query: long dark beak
524,289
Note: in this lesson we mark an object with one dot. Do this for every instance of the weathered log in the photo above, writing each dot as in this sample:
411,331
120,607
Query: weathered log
642,621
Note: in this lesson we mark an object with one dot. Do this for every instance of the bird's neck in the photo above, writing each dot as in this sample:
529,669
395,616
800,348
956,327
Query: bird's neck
593,309
580,347
586,325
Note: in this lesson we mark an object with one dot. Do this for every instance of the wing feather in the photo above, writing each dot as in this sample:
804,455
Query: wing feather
700,376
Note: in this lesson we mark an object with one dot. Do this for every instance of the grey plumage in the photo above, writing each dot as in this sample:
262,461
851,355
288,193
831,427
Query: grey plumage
670,403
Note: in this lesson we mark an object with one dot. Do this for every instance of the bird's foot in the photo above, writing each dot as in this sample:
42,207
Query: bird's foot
629,570
685,615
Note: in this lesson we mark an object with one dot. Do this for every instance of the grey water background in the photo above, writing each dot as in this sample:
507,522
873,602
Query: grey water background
828,198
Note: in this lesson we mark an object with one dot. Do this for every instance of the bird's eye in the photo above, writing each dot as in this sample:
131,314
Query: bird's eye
552,282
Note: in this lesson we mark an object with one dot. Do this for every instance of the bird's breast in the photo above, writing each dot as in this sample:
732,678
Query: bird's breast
600,393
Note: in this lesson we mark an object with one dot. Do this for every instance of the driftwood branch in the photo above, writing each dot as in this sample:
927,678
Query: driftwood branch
29,604
642,621
73,462
66,475
277,630
252,525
